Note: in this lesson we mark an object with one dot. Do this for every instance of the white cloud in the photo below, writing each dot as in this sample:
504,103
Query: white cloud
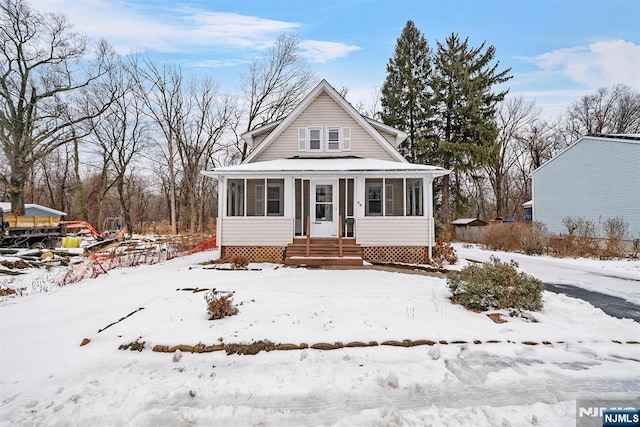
177,29
601,64
321,51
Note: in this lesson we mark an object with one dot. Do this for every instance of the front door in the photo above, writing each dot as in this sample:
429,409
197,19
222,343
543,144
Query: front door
324,221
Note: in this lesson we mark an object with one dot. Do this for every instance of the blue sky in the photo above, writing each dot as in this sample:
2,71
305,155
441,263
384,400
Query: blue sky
558,50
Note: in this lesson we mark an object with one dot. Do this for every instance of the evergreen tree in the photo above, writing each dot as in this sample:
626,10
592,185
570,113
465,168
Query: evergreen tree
406,97
463,82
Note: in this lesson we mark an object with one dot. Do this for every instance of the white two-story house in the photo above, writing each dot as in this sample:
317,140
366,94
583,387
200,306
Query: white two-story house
326,185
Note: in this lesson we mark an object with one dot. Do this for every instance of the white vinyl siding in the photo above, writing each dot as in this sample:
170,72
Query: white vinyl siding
594,179
256,231
324,111
393,231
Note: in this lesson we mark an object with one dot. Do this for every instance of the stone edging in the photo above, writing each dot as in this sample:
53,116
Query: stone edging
258,346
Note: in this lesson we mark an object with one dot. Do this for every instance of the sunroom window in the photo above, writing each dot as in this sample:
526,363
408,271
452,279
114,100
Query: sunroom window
401,197
235,197
373,201
264,197
414,197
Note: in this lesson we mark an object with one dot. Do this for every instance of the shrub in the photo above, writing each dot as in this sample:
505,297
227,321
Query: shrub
219,305
504,236
581,237
616,232
495,285
535,239
239,261
443,252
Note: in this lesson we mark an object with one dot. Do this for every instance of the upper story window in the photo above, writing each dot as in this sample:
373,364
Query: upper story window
315,139
324,139
333,139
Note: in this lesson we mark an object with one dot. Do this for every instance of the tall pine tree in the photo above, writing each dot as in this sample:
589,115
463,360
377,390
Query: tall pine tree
463,83
406,97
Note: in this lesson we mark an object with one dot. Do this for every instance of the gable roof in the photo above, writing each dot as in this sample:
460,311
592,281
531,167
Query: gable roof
608,138
248,136
324,86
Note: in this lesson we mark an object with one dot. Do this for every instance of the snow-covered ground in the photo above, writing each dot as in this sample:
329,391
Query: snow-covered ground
47,378
620,278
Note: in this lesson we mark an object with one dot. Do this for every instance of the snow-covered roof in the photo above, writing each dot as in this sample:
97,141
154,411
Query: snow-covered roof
6,208
527,204
326,165
466,221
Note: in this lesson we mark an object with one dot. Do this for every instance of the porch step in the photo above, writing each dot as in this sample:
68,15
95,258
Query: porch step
323,252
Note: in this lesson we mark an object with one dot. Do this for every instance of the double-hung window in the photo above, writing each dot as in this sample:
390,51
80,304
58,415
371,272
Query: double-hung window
315,139
333,139
324,139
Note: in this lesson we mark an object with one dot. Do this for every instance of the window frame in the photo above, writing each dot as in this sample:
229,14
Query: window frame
338,131
380,200
280,199
320,139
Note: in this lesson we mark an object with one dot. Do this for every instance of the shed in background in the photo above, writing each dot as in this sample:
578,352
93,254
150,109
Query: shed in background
469,229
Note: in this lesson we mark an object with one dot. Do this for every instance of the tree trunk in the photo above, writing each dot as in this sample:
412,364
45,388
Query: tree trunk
16,185
78,187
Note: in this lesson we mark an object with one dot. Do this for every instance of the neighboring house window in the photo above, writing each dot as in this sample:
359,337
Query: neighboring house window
373,204
235,197
275,197
414,197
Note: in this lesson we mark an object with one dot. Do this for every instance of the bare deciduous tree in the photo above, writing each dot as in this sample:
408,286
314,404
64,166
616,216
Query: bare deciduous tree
512,117
609,110
161,90
121,135
274,85
43,73
205,119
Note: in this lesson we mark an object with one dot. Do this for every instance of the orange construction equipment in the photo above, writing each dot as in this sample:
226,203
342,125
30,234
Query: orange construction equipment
82,228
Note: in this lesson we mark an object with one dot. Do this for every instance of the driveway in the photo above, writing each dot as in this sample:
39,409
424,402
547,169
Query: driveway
612,285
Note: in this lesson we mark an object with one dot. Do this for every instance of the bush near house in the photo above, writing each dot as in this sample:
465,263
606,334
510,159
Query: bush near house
505,236
535,239
495,285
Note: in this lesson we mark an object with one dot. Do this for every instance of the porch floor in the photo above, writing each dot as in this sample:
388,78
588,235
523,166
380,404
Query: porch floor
323,252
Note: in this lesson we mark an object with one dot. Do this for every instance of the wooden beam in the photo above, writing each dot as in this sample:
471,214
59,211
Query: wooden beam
308,233
340,236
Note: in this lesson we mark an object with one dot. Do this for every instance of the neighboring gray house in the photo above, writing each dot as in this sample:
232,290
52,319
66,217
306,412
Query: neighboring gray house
596,178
